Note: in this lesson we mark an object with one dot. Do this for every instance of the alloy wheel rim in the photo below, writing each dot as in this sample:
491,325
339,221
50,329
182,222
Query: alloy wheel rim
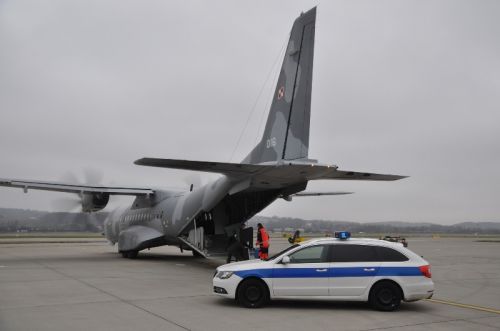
386,297
252,293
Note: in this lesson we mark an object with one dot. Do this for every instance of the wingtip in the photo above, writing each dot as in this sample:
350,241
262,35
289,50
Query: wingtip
140,161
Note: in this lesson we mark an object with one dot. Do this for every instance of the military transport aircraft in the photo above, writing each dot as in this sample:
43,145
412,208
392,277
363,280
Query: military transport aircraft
203,218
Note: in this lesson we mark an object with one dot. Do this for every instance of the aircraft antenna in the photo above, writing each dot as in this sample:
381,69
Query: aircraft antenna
252,110
269,98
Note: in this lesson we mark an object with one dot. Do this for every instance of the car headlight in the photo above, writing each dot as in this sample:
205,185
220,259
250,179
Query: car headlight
224,274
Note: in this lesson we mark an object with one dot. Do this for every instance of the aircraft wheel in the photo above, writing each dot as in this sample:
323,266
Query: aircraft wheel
130,254
252,293
385,296
196,254
133,254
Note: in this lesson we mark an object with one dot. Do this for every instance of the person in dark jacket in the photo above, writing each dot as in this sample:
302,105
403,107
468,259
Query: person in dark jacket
233,248
295,237
237,247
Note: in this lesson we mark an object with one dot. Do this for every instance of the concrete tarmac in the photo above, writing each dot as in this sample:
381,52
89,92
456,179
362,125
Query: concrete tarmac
88,286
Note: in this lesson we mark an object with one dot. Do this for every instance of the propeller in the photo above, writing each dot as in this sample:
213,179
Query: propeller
92,176
73,203
67,204
93,224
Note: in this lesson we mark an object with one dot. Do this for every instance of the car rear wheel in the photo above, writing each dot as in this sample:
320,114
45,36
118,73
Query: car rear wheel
252,293
385,296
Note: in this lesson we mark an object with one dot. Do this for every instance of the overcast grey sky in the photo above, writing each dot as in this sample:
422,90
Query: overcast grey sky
401,87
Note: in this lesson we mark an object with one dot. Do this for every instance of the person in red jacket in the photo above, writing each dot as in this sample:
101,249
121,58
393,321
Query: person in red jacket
262,242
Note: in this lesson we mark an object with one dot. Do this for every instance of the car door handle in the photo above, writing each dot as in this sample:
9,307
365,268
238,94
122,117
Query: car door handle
369,269
321,270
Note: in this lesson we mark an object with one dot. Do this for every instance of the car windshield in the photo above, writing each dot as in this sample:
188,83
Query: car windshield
283,251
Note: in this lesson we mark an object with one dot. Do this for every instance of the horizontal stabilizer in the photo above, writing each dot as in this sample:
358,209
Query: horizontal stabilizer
230,169
273,175
352,175
73,188
317,194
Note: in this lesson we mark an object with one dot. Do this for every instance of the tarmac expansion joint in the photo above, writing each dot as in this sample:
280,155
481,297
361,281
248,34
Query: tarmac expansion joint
463,305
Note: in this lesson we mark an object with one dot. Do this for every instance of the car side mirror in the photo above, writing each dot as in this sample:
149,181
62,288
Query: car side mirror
285,260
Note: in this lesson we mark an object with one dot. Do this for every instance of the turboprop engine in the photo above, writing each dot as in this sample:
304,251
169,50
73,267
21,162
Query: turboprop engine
92,202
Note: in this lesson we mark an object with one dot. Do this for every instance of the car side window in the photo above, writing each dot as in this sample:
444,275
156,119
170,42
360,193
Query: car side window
386,254
314,254
352,253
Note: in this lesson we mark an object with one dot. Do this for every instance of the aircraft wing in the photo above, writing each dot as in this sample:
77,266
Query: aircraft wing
73,188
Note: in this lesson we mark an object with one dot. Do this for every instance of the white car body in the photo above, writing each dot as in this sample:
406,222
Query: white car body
345,281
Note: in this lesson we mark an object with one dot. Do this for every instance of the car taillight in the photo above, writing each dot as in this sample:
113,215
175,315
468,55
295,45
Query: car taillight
426,271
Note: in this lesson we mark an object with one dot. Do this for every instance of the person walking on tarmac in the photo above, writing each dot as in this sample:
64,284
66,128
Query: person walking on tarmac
262,242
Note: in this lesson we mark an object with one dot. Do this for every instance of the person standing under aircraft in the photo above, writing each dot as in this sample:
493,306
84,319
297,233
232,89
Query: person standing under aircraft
246,239
233,248
238,246
262,241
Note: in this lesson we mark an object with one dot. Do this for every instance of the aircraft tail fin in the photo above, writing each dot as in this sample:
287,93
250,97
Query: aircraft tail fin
286,135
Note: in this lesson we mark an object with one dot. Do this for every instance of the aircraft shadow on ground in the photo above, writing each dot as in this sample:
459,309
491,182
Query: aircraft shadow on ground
188,259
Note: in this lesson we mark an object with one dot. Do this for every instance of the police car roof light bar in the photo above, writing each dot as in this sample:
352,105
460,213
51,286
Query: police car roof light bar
342,235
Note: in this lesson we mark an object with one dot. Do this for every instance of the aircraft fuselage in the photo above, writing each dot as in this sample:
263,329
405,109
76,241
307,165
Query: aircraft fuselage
173,218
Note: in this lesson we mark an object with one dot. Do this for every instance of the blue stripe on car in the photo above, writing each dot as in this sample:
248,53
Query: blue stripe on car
399,271
331,272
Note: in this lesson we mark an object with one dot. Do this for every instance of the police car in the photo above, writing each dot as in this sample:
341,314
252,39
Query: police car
342,268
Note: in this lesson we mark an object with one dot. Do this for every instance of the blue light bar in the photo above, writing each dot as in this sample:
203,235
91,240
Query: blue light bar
342,235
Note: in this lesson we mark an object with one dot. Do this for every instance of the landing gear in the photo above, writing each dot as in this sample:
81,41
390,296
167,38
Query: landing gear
130,254
196,254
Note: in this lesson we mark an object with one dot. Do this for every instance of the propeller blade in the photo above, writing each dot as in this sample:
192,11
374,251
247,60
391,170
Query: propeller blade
70,178
93,222
92,176
69,204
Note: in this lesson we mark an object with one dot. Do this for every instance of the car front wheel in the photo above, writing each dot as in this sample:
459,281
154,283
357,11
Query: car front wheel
385,296
252,293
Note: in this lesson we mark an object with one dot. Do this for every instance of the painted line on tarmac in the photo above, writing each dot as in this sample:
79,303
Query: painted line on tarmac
462,305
